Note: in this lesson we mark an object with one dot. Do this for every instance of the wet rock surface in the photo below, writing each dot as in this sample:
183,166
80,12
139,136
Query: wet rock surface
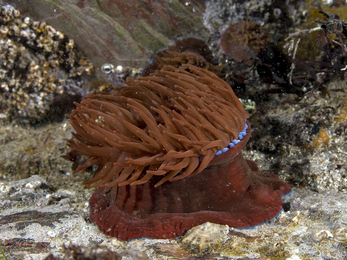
117,32
303,141
44,209
27,151
38,219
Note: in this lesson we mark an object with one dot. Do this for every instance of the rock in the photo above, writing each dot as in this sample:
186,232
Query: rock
122,33
38,219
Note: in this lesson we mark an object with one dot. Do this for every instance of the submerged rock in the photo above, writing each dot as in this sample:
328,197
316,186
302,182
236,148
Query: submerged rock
39,218
41,69
125,33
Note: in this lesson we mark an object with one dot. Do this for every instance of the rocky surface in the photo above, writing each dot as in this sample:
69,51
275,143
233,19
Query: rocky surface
303,139
27,151
38,219
122,33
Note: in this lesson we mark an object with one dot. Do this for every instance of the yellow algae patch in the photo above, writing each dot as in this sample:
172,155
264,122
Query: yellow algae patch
319,140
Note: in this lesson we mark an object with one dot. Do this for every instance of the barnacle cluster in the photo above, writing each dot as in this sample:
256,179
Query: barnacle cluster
117,75
39,67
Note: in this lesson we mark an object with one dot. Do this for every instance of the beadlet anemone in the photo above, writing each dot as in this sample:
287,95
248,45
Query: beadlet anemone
168,149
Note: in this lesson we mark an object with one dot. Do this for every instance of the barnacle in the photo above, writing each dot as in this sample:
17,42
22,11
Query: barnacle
36,57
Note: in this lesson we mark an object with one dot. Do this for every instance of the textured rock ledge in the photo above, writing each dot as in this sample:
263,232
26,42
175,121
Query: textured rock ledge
123,33
37,219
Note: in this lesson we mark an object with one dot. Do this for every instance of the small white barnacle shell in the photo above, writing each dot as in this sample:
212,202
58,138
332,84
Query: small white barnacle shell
107,68
59,35
340,235
119,68
35,25
26,20
70,44
323,234
50,29
16,13
4,86
205,238
24,34
15,30
23,25
3,73
42,26
3,30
